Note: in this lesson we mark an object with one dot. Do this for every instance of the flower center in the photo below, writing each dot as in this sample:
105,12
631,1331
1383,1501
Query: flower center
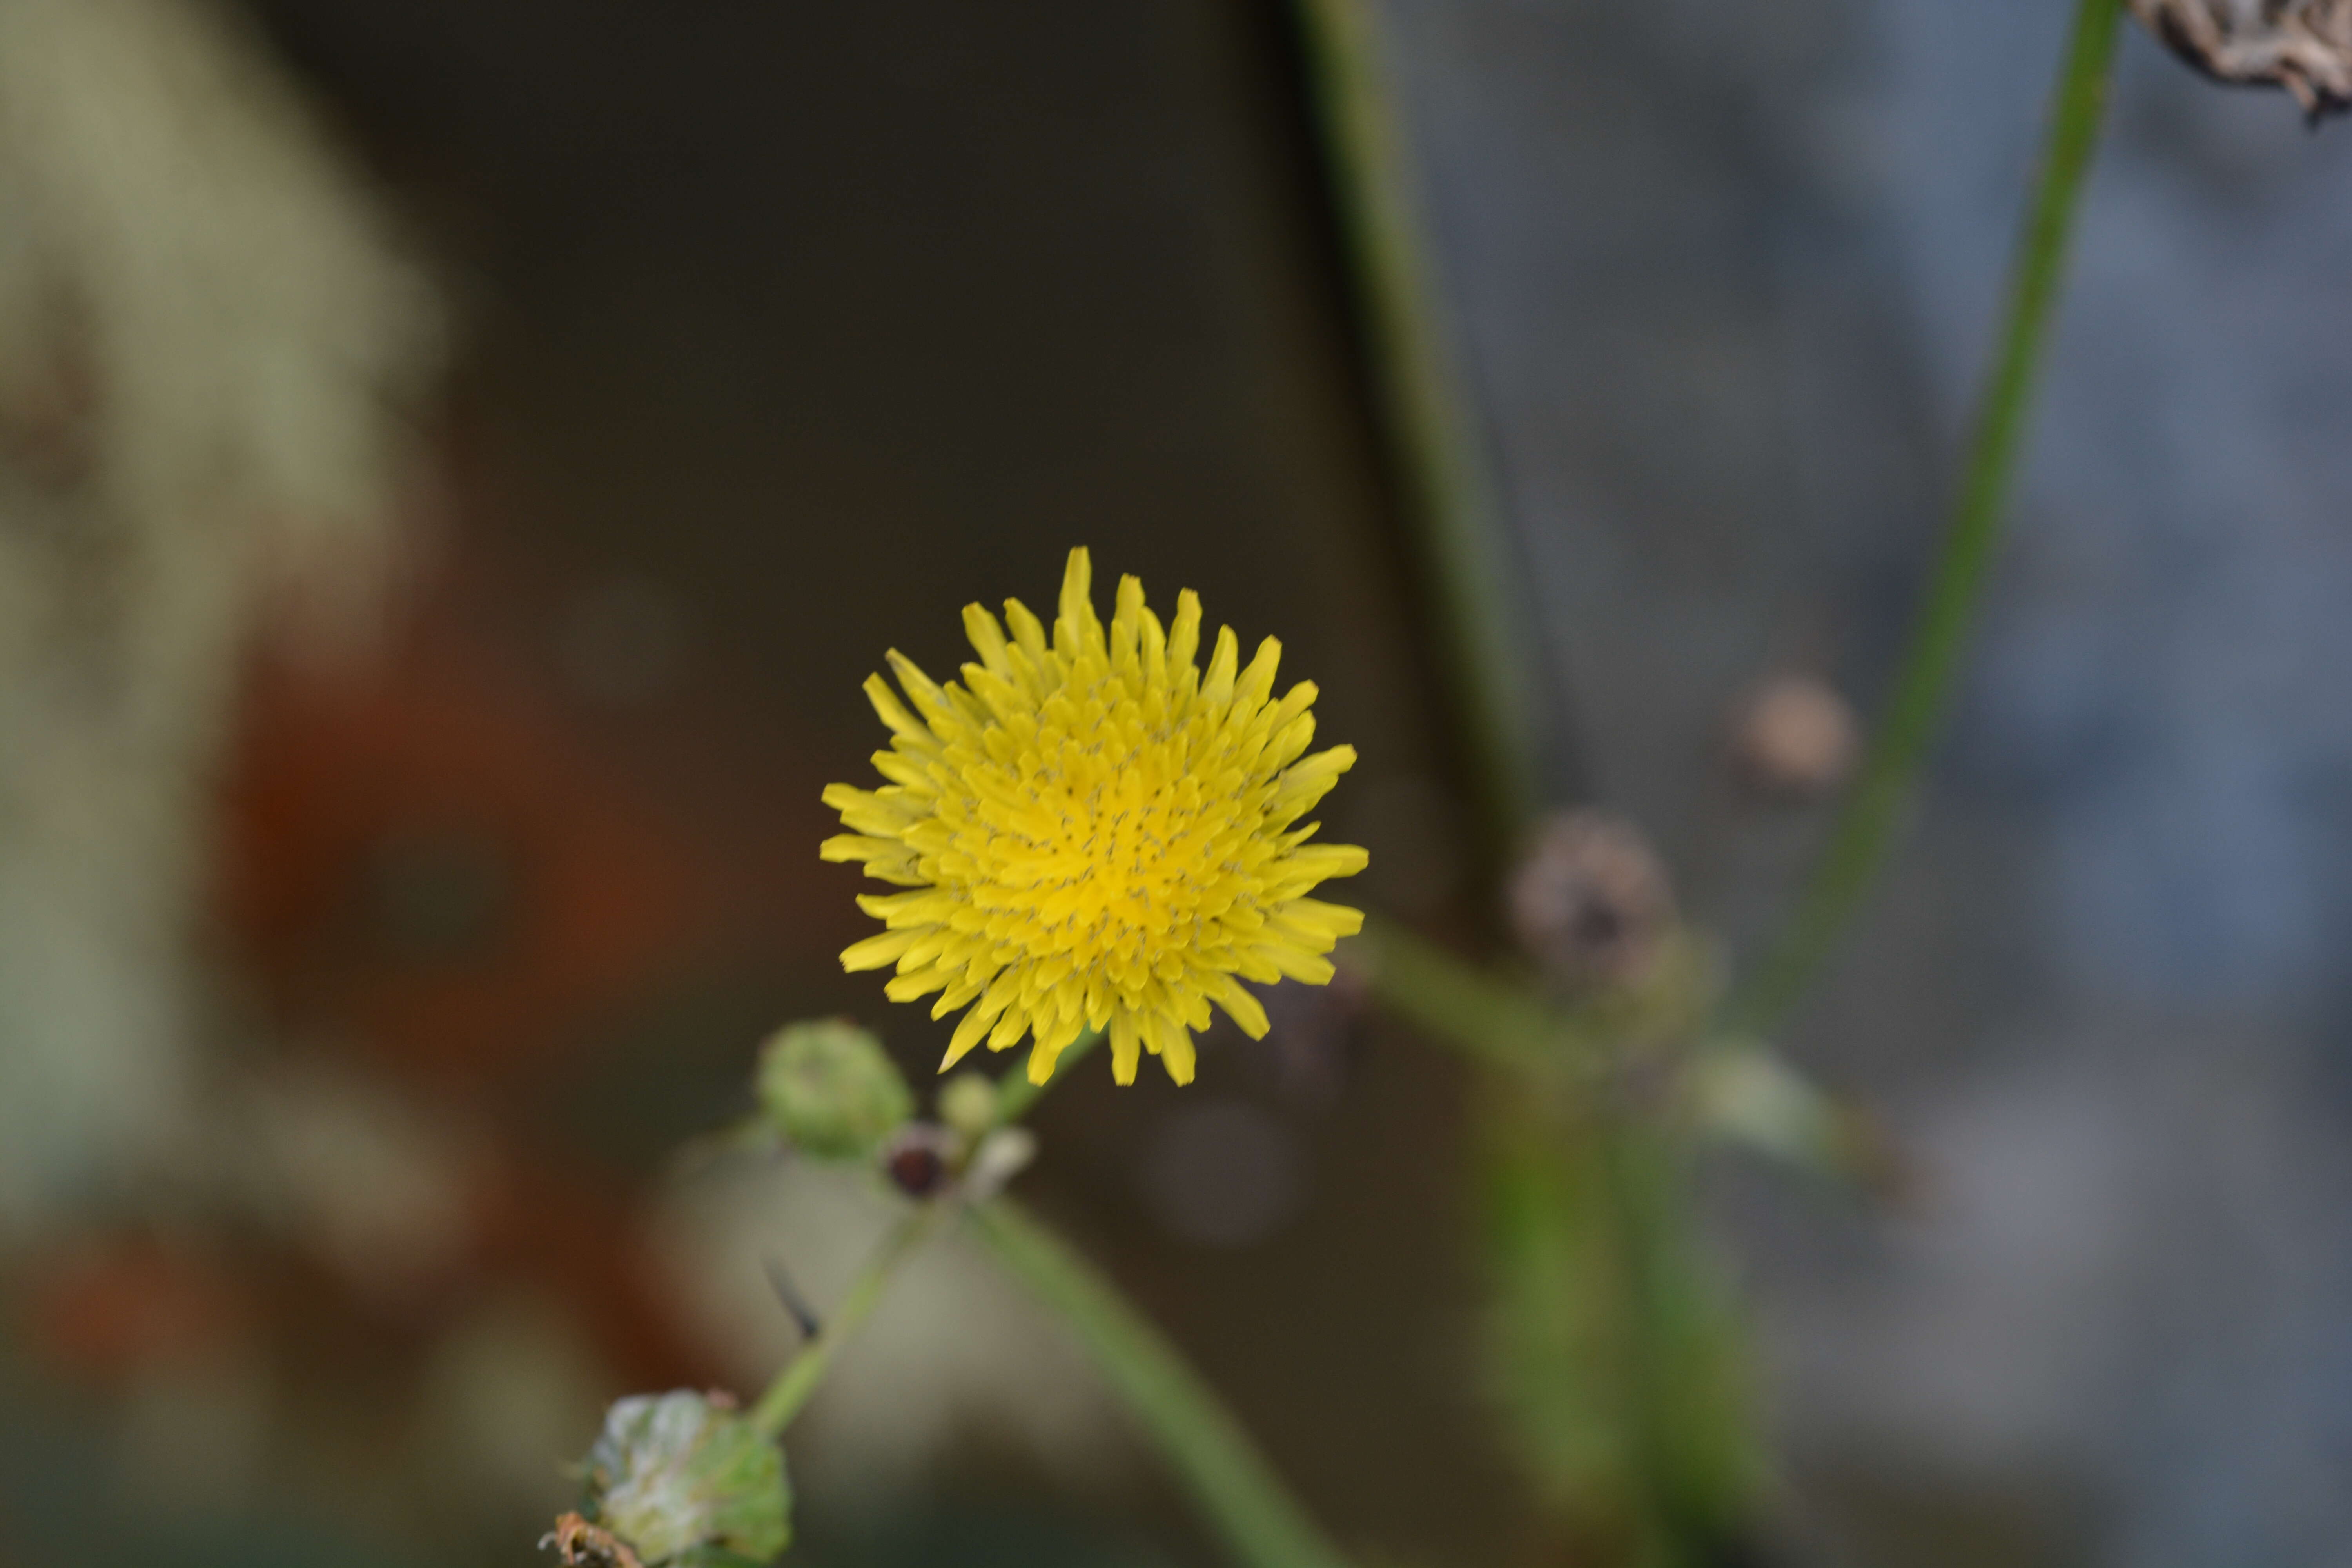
1103,851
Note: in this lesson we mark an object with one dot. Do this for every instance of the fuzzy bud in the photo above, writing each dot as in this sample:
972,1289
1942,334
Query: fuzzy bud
830,1089
968,1103
681,1477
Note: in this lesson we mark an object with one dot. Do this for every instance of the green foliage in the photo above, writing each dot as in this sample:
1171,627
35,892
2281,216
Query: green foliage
830,1089
690,1482
1612,1354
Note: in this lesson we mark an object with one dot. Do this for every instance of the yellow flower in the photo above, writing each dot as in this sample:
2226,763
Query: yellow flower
1096,833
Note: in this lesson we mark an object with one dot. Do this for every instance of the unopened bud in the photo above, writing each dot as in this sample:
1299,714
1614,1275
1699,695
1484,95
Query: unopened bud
680,1478
832,1091
1592,901
919,1158
968,1103
1795,738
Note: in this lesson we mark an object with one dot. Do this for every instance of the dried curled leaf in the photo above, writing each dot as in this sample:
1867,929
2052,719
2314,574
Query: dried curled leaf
581,1544
2303,45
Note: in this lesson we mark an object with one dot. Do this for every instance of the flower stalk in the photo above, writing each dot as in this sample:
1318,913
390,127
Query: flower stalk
1213,1456
801,1375
1890,773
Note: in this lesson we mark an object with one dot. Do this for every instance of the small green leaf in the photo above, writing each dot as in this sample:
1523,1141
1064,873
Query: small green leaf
686,1481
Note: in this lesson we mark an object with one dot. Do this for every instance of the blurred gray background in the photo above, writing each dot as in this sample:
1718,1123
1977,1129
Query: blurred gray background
1727,274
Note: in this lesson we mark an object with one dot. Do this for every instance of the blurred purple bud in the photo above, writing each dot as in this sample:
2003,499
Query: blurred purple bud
1794,738
1591,902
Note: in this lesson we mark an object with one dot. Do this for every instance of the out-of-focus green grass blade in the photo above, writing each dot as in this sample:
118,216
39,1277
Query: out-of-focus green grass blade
1612,1354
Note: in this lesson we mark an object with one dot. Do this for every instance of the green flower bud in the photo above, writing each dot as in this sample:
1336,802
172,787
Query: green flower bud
831,1091
681,1478
968,1103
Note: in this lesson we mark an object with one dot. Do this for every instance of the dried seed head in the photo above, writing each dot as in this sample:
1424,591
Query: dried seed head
1795,738
1591,902
2303,45
674,1474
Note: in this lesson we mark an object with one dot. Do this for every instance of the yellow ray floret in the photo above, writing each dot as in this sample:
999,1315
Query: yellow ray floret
1094,833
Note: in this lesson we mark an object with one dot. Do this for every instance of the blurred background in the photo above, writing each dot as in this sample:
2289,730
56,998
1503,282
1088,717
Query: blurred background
458,460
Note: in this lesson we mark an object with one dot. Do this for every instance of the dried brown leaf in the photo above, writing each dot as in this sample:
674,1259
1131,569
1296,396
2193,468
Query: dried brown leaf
2303,45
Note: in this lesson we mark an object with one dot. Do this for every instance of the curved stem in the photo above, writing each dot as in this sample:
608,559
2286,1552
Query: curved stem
804,1371
1859,842
800,1375
1212,1456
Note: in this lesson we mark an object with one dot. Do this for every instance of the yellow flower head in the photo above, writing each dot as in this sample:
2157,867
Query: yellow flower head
1096,834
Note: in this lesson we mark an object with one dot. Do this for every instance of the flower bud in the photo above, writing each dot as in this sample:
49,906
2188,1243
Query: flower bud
919,1158
1592,901
831,1091
1795,738
968,1103
680,1478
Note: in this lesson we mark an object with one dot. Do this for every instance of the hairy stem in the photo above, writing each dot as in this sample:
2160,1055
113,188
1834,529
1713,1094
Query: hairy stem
1859,841
1213,1458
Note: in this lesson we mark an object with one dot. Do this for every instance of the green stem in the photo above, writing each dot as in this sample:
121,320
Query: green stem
1449,496
1503,1024
1859,842
804,1371
1457,1002
800,1375
1212,1456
